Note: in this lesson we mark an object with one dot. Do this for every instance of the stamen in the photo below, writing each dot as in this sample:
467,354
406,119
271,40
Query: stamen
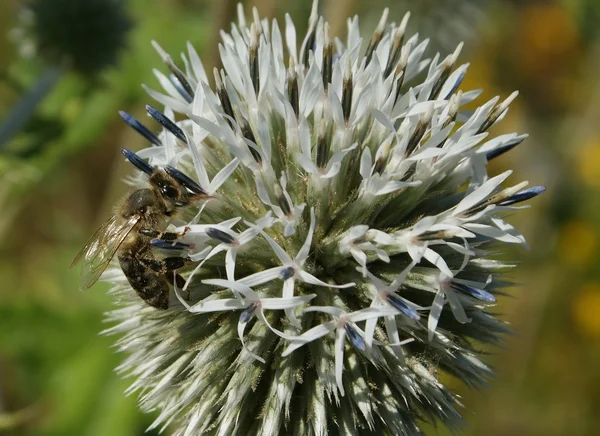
445,73
139,163
282,201
169,245
223,97
248,312
322,145
166,123
432,236
220,235
311,34
287,273
168,60
404,308
347,89
523,195
419,131
496,112
452,112
479,294
180,88
327,70
507,147
248,134
396,48
355,338
382,159
401,70
140,128
253,62
185,180
292,87
377,36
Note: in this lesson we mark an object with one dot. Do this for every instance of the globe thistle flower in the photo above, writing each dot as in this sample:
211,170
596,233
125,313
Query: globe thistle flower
85,35
346,252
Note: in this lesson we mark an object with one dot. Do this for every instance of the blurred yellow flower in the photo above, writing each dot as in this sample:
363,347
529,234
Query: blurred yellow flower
577,243
588,162
548,34
585,309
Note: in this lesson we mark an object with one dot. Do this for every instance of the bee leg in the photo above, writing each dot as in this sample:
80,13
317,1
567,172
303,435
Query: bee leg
180,282
163,266
165,236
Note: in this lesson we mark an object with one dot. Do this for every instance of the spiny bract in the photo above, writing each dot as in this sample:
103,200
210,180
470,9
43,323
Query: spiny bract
344,256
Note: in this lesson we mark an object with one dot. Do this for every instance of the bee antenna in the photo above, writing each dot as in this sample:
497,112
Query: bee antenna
185,180
139,163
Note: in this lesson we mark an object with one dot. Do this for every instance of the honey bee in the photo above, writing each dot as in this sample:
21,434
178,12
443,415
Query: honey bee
135,228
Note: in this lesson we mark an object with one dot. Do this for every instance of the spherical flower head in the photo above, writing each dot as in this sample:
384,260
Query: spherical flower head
85,35
343,252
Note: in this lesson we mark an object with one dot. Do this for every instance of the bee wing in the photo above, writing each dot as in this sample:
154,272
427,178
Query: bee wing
99,250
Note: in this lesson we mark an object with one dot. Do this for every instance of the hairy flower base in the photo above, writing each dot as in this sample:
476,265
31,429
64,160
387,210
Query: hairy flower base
342,258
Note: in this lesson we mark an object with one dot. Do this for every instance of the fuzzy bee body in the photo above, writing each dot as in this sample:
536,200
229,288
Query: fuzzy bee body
138,219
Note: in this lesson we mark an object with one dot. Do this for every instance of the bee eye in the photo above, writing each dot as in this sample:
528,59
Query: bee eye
168,191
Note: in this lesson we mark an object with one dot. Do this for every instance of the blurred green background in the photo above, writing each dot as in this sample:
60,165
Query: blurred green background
60,176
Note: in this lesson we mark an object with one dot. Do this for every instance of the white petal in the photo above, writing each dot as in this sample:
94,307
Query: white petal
309,278
222,176
283,257
366,162
218,305
434,314
481,193
290,37
437,260
371,312
457,309
391,329
303,253
241,327
288,292
310,335
262,276
197,66
171,102
284,303
245,290
339,358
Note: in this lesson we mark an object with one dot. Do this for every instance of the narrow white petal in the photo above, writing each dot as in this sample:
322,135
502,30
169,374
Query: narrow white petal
310,335
286,302
339,357
303,253
457,308
434,314
438,261
281,254
235,286
262,276
309,278
222,176
218,305
241,327
371,312
481,193
171,102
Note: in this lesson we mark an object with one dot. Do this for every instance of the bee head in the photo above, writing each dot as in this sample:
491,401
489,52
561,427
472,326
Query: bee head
173,186
143,202
169,189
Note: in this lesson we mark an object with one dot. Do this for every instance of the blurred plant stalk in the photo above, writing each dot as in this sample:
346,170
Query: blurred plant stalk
18,117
